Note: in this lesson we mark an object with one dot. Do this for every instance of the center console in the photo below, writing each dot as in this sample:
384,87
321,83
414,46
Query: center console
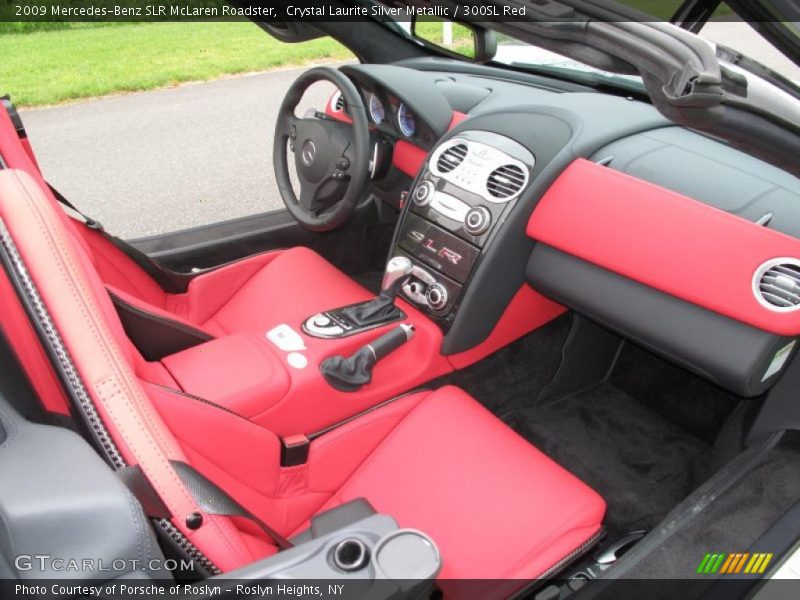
455,209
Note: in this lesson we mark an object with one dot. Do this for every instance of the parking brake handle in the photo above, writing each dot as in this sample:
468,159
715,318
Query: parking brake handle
349,374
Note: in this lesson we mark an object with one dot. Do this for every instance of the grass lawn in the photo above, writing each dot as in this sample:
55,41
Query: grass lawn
48,67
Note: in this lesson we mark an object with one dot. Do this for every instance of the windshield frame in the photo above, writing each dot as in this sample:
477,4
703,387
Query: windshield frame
595,77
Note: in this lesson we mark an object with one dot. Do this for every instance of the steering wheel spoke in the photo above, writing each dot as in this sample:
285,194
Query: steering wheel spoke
330,157
308,199
287,125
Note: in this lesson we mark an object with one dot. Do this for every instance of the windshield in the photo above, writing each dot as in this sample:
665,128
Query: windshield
515,53
723,28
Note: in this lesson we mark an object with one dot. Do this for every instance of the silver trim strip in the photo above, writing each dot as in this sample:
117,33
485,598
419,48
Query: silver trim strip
450,206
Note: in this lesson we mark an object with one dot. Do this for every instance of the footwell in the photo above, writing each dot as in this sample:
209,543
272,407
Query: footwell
640,463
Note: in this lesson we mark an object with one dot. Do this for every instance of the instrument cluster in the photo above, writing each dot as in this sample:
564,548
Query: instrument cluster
389,112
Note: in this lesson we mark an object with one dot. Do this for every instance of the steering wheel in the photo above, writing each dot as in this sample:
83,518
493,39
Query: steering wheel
331,157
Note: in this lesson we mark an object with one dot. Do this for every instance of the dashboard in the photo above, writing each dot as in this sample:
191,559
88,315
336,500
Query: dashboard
397,109
676,241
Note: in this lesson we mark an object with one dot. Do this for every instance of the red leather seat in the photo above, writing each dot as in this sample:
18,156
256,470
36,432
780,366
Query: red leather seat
249,295
438,461
497,507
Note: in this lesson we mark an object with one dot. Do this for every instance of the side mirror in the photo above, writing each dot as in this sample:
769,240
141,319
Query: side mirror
463,40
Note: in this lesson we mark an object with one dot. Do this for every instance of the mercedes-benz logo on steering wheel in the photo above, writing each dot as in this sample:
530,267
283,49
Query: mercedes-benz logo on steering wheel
308,152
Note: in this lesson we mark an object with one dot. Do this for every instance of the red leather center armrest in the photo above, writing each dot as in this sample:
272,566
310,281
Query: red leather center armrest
240,372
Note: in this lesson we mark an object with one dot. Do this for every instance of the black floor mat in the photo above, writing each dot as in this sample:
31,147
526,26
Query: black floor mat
640,463
515,375
692,403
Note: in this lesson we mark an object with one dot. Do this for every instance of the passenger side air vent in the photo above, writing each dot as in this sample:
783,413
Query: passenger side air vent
506,181
451,158
776,284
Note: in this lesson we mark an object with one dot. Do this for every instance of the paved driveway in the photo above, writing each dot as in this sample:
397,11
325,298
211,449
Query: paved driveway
169,159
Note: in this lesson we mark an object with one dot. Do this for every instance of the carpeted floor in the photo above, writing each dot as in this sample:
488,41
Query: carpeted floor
640,463
514,376
642,438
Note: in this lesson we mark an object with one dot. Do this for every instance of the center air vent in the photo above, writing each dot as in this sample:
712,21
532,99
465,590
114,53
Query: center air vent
776,284
497,172
505,181
451,158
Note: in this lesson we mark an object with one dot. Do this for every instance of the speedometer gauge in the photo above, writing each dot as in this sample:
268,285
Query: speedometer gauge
376,110
405,120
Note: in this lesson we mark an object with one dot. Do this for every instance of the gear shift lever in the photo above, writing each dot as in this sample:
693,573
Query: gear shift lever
382,308
355,318
396,272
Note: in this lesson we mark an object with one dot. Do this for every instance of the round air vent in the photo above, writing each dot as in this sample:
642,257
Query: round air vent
506,181
337,102
776,284
451,158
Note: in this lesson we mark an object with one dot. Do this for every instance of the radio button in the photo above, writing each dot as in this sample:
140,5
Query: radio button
478,220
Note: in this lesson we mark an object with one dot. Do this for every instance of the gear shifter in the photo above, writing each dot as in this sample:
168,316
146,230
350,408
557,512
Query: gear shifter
355,318
382,308
396,272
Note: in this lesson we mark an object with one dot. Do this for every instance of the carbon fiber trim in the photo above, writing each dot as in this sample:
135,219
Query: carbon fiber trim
437,248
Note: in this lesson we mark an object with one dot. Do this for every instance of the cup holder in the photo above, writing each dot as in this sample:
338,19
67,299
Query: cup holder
407,555
350,555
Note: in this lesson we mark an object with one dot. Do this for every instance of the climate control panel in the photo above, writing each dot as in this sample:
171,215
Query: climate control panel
459,201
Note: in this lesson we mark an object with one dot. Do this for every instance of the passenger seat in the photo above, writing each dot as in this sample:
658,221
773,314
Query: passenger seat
436,461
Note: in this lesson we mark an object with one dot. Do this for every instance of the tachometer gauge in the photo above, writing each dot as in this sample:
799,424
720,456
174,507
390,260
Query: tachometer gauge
376,110
405,120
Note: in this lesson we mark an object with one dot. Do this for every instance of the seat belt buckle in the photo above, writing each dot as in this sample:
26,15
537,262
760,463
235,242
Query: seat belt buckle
294,450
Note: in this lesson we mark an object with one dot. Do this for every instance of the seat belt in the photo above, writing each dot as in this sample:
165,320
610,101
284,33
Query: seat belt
174,283
169,281
209,497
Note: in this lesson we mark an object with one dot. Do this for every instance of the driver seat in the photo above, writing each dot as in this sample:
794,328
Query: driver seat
253,294
249,295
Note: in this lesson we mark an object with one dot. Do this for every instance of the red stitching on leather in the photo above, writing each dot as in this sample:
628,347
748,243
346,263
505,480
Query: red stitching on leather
125,389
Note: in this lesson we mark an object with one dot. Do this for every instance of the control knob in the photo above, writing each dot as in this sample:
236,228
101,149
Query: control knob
477,220
436,296
423,194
